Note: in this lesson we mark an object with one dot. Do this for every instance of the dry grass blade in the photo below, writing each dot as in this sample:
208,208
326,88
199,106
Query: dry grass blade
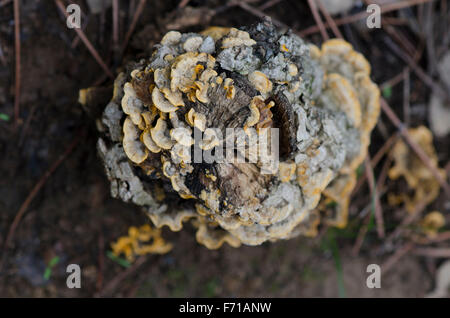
133,24
259,13
405,222
384,149
101,262
87,43
440,237
406,93
433,252
376,198
392,81
361,235
18,62
115,18
391,261
316,15
330,20
183,3
268,4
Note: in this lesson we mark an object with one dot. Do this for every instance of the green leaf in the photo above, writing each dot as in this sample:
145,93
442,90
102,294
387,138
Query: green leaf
387,92
359,170
53,261
4,117
118,260
331,205
47,273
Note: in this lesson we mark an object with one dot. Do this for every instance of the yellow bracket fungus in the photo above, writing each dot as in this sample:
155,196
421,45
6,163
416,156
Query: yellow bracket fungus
409,166
140,241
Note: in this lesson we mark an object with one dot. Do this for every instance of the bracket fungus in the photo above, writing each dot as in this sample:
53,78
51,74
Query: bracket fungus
318,104
408,166
140,241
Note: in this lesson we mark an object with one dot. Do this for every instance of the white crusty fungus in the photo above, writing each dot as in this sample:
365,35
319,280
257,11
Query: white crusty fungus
260,81
321,100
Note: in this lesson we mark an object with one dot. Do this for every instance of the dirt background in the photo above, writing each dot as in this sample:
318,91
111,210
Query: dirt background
74,218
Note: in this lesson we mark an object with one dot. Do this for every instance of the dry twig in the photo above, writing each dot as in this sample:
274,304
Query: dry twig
319,23
86,42
133,24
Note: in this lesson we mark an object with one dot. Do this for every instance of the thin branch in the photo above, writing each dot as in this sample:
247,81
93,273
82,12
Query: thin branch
86,42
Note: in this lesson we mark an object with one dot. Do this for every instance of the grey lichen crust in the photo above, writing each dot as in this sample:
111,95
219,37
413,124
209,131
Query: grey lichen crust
228,78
